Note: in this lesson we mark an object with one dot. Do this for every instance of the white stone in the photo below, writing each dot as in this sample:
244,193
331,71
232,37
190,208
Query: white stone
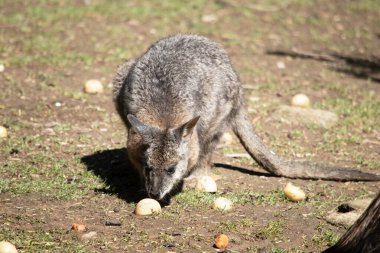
223,204
206,184
227,139
90,235
93,86
3,132
280,65
7,247
147,207
209,18
300,100
2,67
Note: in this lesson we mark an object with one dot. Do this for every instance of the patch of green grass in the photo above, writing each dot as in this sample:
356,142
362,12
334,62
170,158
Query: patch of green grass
272,230
278,250
37,171
256,198
193,198
368,5
358,111
50,183
40,240
324,237
240,226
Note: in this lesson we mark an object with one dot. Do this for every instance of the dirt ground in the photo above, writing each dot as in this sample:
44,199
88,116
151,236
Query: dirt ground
64,160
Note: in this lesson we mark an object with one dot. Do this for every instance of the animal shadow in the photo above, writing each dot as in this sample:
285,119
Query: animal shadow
243,170
118,174
359,67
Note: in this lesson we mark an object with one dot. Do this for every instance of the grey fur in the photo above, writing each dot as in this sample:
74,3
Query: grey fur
177,79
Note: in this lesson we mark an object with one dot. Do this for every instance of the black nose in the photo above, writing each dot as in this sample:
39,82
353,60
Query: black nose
154,195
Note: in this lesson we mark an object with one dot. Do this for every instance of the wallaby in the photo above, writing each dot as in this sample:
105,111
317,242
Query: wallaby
176,101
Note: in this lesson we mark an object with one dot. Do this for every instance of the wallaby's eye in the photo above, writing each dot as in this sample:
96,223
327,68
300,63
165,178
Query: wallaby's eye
171,170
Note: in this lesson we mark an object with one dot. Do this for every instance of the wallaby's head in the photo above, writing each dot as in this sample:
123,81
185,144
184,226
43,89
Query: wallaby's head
164,156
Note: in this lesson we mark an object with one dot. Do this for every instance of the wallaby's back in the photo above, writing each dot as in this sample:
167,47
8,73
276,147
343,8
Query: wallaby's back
178,78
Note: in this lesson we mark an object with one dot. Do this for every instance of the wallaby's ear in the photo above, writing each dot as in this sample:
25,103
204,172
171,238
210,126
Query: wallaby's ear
186,129
137,124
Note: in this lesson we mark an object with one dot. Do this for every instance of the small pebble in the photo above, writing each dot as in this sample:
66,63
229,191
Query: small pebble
48,131
88,236
57,104
93,86
209,18
301,100
222,204
3,132
147,207
280,65
113,223
116,209
176,233
206,184
2,67
71,179
14,151
227,139
7,247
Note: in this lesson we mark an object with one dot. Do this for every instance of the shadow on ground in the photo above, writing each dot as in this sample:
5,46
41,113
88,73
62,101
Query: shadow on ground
113,167
243,170
359,67
121,180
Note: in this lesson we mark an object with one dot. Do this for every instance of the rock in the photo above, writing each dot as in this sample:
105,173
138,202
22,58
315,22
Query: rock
301,100
347,213
48,131
88,236
176,233
7,247
147,206
280,65
58,104
209,18
113,223
360,204
222,204
227,139
253,99
305,116
343,219
206,184
2,67
93,86
3,132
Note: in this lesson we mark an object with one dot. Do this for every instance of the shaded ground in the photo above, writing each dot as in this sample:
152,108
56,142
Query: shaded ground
64,162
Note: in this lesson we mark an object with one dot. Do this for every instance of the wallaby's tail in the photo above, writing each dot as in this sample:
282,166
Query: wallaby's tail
291,169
